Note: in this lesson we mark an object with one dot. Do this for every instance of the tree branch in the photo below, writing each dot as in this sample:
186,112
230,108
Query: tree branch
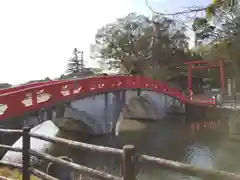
190,10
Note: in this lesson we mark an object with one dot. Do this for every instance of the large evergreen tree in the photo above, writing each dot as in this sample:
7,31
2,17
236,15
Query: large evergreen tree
75,63
76,67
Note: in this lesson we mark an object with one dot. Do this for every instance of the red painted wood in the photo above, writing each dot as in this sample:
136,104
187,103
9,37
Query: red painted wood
205,67
197,62
209,65
16,88
189,78
221,67
88,86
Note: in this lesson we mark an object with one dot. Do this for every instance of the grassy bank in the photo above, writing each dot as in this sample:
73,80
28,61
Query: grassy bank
14,174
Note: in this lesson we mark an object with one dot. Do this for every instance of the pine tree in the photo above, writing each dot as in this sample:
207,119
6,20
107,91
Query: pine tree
76,63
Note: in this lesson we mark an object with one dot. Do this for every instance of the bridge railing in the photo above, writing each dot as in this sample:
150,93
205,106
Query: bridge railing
128,153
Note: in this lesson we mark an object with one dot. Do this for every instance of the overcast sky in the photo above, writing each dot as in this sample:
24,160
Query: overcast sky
38,36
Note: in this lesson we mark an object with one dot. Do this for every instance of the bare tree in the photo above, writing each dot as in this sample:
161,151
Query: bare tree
210,26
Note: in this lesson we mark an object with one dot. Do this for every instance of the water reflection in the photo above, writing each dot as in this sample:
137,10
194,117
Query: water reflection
199,155
200,125
203,143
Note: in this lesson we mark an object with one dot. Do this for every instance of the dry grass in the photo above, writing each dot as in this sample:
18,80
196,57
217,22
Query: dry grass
14,174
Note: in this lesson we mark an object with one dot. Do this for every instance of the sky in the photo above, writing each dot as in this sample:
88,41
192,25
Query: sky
37,37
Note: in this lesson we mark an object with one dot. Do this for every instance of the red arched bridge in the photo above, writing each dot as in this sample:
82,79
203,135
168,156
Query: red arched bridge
94,100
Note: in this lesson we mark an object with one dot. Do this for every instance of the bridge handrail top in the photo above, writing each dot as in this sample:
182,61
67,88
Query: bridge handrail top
74,80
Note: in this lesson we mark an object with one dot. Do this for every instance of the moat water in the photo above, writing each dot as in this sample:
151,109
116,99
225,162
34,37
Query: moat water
212,143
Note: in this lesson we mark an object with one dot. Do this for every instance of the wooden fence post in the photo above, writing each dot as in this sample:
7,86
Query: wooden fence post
25,153
128,167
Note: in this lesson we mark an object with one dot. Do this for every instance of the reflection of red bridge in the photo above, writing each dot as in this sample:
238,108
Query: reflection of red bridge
203,99
197,126
68,90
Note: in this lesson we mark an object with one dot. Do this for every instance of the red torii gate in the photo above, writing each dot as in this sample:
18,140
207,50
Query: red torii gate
204,65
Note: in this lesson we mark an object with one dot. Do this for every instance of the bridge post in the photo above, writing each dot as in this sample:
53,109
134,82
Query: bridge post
54,113
123,99
106,109
183,106
49,114
41,115
138,92
60,110
165,102
118,104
